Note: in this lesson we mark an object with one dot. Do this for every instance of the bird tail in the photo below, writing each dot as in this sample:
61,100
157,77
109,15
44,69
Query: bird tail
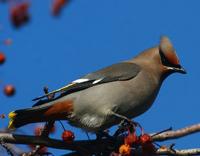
22,117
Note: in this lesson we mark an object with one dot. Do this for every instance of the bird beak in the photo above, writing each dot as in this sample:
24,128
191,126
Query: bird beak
180,70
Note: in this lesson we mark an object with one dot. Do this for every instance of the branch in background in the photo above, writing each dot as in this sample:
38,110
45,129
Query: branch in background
167,151
95,146
8,150
177,134
11,149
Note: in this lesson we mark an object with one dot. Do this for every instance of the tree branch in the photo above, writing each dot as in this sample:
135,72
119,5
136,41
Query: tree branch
95,146
83,146
177,133
175,152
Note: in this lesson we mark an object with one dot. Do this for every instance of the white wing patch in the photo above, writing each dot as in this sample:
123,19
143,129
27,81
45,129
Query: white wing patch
85,80
97,81
80,80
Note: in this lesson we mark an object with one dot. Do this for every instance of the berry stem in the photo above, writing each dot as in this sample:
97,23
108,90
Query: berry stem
62,125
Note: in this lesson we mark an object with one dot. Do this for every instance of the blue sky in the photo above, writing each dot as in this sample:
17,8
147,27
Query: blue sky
92,34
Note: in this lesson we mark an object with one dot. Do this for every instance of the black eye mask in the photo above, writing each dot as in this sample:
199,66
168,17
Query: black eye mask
165,61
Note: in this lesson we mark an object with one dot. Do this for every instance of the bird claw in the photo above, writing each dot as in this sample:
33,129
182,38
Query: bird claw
129,125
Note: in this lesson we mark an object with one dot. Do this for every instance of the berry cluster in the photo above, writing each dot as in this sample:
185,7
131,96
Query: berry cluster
133,141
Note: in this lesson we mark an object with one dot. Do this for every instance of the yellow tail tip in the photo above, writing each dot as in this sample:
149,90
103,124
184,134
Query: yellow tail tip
11,125
12,115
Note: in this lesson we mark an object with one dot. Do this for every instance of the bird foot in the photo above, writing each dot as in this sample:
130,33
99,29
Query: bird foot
127,125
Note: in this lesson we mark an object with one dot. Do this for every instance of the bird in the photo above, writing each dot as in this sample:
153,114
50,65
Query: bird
106,97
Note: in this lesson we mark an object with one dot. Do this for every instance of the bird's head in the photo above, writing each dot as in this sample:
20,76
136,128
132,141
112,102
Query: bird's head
168,57
162,59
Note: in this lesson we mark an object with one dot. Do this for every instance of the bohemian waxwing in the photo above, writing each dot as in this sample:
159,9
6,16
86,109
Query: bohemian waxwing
105,97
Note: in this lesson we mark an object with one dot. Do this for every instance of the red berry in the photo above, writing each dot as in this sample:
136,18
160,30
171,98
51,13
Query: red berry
19,14
68,136
61,2
131,139
147,146
2,58
57,6
9,90
145,138
24,7
125,150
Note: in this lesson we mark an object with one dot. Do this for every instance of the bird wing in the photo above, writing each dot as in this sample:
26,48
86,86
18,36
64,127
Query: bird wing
116,72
